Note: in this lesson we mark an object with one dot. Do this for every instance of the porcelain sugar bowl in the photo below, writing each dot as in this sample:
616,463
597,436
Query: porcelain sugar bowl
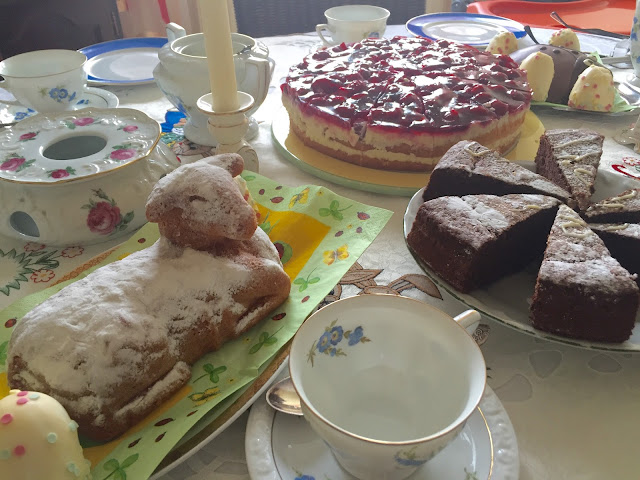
79,177
183,76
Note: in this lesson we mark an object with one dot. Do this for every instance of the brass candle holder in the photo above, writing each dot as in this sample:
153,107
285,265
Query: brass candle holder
229,128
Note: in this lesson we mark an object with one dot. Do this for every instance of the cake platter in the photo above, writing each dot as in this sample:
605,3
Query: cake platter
378,181
507,300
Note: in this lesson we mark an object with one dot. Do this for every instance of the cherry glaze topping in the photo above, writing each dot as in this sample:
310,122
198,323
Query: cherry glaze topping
407,84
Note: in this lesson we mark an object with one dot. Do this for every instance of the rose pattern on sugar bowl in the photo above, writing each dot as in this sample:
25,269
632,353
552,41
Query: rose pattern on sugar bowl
183,76
79,177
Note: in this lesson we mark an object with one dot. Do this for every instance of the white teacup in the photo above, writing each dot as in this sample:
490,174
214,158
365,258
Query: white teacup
352,23
386,381
45,80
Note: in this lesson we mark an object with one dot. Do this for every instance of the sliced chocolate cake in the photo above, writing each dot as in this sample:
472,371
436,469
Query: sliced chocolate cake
570,158
617,223
473,240
469,168
581,290
624,207
623,241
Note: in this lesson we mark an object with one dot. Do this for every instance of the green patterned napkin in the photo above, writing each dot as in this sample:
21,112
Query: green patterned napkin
319,236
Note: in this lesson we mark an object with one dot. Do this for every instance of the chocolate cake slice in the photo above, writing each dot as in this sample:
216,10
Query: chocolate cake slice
581,290
623,241
469,168
570,158
624,207
473,240
617,223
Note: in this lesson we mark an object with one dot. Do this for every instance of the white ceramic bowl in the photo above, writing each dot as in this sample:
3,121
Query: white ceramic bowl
387,381
79,177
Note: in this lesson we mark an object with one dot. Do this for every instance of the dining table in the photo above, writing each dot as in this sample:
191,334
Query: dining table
575,410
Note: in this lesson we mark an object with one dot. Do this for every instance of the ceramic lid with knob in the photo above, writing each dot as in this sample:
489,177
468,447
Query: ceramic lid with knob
74,145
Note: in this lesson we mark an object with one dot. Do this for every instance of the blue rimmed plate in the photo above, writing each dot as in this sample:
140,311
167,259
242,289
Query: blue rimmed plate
469,28
128,61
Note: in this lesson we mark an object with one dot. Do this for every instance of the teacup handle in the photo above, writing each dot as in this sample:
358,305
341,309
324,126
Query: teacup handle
319,28
469,319
8,102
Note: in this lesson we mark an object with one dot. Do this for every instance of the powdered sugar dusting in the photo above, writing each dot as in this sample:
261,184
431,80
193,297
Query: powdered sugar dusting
624,229
201,191
582,258
477,218
106,329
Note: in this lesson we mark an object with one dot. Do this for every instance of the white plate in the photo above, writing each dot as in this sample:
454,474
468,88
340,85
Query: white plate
507,300
92,97
469,28
283,447
128,61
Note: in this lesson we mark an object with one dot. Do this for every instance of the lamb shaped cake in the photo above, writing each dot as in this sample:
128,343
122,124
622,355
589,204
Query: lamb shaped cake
118,343
469,168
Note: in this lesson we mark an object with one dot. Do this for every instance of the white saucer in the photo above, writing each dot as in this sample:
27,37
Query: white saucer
92,97
283,447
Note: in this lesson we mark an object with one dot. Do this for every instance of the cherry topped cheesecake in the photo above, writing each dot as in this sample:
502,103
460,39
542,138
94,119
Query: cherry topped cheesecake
401,103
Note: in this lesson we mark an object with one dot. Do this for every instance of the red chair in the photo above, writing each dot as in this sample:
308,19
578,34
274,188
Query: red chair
611,15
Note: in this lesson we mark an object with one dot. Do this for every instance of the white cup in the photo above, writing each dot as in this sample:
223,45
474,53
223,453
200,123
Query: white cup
352,23
45,80
386,381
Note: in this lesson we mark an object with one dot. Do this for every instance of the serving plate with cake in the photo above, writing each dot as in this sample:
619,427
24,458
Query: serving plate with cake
397,105
506,242
164,340
373,180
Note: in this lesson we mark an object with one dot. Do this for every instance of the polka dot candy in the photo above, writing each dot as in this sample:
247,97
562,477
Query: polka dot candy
39,440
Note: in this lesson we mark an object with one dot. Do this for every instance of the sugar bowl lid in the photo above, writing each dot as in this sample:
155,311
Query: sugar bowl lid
73,145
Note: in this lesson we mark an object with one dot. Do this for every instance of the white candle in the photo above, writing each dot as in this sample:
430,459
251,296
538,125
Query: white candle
214,18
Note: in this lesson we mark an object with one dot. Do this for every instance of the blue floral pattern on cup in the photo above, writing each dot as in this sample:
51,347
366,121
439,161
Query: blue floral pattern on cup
304,477
409,458
329,342
60,94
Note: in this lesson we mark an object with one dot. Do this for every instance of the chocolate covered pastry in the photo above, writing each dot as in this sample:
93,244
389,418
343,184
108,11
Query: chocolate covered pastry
117,344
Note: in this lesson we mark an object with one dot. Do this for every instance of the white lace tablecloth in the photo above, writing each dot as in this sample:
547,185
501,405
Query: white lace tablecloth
576,412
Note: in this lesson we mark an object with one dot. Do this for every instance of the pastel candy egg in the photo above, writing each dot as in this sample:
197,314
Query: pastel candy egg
565,38
540,70
37,441
594,90
503,43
